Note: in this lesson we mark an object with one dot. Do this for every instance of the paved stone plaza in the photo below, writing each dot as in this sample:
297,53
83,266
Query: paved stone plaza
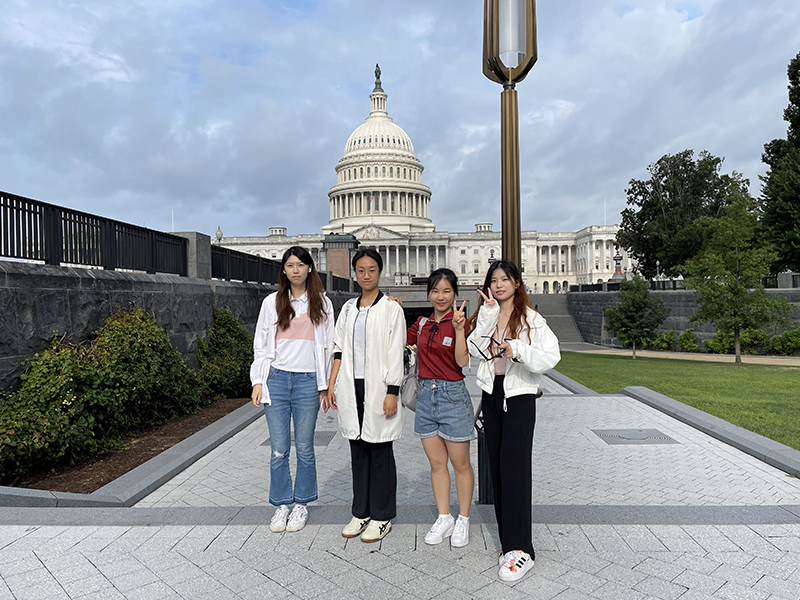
690,518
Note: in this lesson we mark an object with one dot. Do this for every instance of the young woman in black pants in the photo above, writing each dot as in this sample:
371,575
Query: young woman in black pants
514,345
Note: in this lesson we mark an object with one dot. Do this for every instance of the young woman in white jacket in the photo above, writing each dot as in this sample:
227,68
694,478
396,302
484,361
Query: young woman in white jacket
365,380
293,351
514,345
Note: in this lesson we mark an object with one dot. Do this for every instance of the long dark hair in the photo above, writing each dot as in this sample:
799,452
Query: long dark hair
316,304
446,274
521,301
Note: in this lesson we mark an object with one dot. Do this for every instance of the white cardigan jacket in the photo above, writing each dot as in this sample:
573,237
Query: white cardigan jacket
523,371
264,345
386,339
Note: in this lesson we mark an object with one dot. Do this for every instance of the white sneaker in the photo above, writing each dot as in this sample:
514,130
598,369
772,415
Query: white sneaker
441,529
460,537
298,518
376,530
278,522
355,527
515,564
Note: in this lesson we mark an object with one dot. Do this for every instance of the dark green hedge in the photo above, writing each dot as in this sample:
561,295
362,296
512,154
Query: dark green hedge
76,399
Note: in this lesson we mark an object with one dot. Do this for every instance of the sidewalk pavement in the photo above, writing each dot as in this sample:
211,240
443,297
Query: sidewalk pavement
784,361
679,514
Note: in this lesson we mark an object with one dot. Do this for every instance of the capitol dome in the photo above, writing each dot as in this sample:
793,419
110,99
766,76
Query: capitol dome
379,178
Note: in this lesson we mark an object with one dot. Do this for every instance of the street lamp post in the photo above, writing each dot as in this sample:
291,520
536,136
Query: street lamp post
509,53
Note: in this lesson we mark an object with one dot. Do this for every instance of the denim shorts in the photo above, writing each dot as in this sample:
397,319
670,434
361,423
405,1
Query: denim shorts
444,408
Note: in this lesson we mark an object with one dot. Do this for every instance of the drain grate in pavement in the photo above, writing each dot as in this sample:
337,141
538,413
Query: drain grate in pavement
616,437
321,438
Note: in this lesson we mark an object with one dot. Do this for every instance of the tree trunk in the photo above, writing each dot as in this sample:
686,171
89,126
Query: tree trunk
737,347
633,345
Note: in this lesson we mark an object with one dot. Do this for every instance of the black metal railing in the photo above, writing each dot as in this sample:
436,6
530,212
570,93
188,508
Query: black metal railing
34,230
770,282
232,265
666,284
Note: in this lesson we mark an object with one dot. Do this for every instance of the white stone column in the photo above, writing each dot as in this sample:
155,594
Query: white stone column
569,259
397,258
427,260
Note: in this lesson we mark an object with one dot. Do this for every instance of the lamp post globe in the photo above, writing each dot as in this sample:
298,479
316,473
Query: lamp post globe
509,53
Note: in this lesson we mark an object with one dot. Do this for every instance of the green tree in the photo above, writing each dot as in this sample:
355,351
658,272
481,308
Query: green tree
726,274
660,224
637,316
780,193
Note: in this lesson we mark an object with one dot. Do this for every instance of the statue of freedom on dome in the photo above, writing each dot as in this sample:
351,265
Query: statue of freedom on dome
377,74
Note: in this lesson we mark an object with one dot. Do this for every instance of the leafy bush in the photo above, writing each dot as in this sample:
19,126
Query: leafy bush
75,399
223,362
688,342
785,344
664,341
752,341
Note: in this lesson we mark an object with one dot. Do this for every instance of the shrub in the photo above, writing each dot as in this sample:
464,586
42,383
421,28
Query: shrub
688,342
664,341
752,341
785,344
75,399
223,361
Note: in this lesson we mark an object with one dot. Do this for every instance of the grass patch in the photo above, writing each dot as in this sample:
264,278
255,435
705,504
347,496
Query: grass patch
762,398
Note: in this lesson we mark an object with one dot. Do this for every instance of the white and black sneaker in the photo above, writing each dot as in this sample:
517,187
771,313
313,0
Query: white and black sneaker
355,527
515,564
376,531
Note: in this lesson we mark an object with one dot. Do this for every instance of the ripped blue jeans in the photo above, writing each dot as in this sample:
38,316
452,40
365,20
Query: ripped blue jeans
294,398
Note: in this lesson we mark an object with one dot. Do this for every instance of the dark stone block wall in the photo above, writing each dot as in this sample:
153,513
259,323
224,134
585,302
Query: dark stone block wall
587,310
38,302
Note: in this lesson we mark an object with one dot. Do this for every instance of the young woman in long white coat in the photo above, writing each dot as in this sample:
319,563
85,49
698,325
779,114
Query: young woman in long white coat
293,352
514,345
365,380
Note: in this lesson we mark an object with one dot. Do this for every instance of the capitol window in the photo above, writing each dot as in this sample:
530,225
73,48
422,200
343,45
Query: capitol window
463,251
476,267
391,172
383,171
463,267
368,172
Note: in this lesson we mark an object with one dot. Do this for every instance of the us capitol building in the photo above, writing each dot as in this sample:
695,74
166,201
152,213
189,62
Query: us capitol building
381,201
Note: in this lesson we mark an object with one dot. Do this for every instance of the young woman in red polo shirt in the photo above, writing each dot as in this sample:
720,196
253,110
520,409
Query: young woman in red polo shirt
444,417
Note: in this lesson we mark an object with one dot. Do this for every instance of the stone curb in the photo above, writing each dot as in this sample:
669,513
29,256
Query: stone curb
137,483
769,451
573,386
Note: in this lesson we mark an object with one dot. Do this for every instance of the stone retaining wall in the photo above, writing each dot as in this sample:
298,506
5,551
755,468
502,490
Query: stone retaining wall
38,302
587,310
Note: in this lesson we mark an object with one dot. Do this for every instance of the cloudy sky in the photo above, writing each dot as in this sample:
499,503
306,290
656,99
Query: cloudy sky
234,113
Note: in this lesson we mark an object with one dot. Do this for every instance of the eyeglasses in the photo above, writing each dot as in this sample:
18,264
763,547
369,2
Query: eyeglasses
496,343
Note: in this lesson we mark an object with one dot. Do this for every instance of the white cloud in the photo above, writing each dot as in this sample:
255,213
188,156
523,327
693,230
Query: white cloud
236,113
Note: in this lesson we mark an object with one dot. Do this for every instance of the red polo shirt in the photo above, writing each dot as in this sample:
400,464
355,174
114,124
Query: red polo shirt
436,351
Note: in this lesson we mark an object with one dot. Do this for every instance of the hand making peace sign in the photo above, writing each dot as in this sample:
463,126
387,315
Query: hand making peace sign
490,300
458,316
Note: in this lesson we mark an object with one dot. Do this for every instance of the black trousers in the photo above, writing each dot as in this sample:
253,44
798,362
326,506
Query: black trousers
374,473
509,441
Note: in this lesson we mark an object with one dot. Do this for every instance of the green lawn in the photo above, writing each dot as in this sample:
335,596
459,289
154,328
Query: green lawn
762,398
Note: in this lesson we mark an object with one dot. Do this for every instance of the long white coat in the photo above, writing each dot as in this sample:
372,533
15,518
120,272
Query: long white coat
386,339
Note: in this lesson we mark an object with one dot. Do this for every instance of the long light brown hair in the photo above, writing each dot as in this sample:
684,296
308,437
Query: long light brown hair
316,302
519,315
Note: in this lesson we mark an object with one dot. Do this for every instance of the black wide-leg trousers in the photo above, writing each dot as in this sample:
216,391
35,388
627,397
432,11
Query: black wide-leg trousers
374,473
509,441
